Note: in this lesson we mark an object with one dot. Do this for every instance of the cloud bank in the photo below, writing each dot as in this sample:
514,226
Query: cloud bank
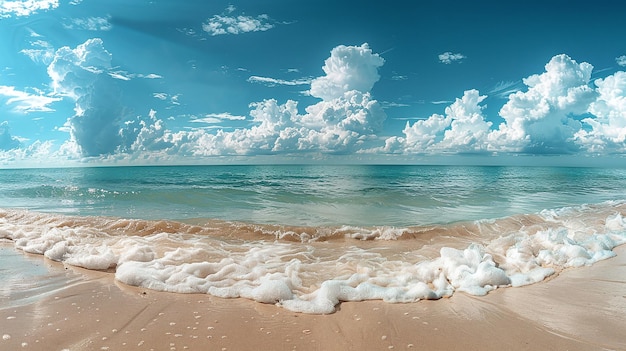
549,117
560,110
344,121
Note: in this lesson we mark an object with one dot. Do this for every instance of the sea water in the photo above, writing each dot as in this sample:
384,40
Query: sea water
308,237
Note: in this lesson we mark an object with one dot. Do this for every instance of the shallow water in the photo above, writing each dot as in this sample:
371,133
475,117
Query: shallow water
309,237
26,279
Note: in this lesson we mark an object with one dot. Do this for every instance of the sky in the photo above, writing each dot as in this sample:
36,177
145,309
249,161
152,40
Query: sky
86,82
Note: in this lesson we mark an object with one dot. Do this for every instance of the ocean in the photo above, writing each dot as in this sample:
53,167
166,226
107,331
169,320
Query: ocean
306,237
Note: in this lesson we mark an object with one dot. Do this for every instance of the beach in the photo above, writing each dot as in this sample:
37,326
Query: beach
313,258
69,308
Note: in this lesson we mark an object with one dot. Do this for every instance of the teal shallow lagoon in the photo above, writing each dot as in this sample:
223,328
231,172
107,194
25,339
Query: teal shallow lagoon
308,237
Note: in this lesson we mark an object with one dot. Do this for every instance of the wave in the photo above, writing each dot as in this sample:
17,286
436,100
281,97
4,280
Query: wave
312,269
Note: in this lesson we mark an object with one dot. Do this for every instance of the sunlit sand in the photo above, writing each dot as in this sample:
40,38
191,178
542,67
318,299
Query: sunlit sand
581,309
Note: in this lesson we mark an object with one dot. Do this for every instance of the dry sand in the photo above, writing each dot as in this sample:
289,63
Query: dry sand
73,309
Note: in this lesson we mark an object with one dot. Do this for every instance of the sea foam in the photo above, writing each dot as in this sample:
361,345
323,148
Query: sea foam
327,265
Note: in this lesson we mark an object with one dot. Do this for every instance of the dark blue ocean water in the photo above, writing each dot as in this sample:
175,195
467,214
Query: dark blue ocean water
309,195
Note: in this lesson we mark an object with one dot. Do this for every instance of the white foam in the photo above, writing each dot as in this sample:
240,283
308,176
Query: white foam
315,277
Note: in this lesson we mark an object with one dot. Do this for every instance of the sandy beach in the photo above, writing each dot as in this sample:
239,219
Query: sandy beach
57,307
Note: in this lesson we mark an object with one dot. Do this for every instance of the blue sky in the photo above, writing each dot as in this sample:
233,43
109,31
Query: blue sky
162,82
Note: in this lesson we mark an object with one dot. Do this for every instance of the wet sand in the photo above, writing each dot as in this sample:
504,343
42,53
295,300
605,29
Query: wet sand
45,305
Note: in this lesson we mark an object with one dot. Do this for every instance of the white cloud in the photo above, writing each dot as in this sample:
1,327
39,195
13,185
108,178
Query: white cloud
273,82
226,116
542,119
462,129
348,68
505,88
41,52
150,76
399,77
468,127
621,60
89,23
608,133
24,102
341,124
338,126
173,99
36,154
7,141
72,70
145,135
119,75
448,57
225,24
391,104
545,115
539,120
160,96
123,75
82,74
19,8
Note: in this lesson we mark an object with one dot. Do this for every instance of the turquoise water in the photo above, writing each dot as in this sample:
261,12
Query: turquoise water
309,237
309,195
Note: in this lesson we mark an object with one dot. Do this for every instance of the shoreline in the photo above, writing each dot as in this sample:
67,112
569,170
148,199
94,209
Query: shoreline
581,309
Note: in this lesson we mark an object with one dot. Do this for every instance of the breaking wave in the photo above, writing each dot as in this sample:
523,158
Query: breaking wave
312,269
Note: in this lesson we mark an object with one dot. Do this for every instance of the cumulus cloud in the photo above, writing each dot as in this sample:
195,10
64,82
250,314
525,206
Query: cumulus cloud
542,119
7,141
36,154
348,68
225,24
621,60
558,110
539,120
463,128
82,74
340,125
608,126
123,75
448,57
24,102
73,70
141,135
343,122
22,8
